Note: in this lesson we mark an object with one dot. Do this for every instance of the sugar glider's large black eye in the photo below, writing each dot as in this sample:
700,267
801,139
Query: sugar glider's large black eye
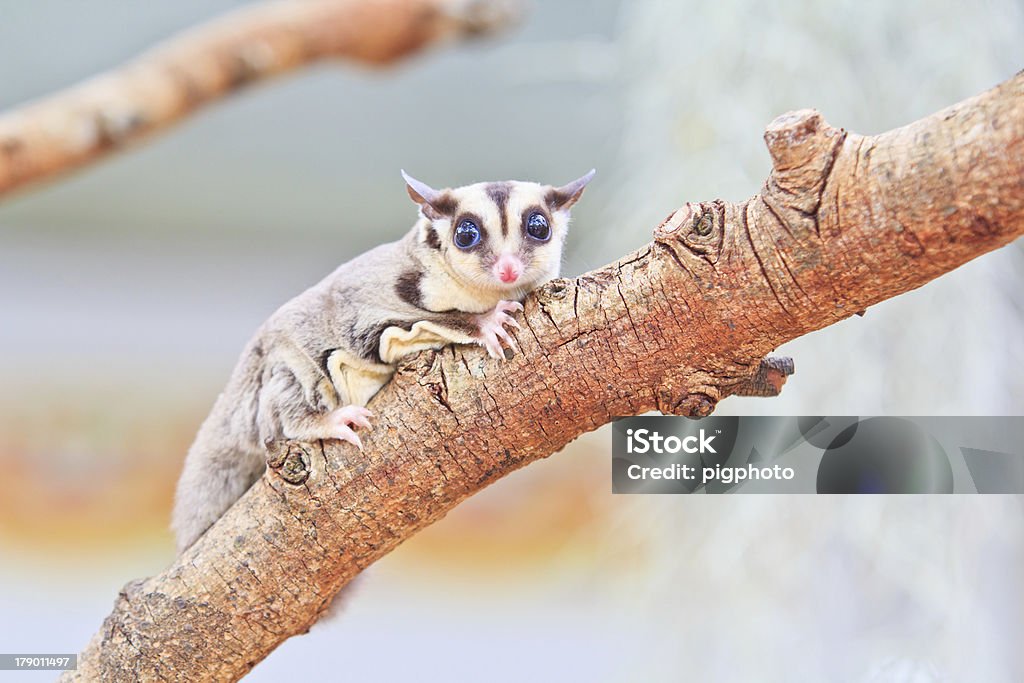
467,235
537,227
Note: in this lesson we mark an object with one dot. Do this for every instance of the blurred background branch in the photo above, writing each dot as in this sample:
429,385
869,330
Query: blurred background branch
149,94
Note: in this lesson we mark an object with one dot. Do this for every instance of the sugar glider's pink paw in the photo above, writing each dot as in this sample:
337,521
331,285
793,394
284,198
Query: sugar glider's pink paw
341,423
492,328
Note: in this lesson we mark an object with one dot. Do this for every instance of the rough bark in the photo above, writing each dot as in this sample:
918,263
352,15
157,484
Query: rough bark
162,86
843,222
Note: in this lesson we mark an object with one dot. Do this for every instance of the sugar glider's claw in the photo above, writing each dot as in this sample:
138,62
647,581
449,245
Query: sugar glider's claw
345,433
492,328
340,424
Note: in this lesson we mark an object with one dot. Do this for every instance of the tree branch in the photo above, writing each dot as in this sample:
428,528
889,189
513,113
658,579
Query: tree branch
104,114
843,222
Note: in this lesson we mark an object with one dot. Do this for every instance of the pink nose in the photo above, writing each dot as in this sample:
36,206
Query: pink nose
508,268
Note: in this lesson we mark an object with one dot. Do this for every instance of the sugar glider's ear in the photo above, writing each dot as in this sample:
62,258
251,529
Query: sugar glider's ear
434,203
562,198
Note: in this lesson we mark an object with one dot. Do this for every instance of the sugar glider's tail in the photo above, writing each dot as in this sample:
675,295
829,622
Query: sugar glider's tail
216,474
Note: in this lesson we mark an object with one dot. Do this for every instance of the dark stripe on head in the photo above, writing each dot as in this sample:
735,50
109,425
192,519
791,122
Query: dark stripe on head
499,194
445,204
432,239
555,199
442,207
408,288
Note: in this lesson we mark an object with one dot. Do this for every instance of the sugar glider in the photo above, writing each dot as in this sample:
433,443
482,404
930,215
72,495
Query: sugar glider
457,276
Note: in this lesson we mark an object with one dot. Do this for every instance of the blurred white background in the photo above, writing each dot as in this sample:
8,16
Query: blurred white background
127,291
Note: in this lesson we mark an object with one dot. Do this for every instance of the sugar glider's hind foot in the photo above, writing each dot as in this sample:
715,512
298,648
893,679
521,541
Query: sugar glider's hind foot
492,328
340,424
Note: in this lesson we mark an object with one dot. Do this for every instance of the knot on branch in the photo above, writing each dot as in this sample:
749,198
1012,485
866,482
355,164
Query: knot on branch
768,379
290,461
691,398
698,227
803,148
